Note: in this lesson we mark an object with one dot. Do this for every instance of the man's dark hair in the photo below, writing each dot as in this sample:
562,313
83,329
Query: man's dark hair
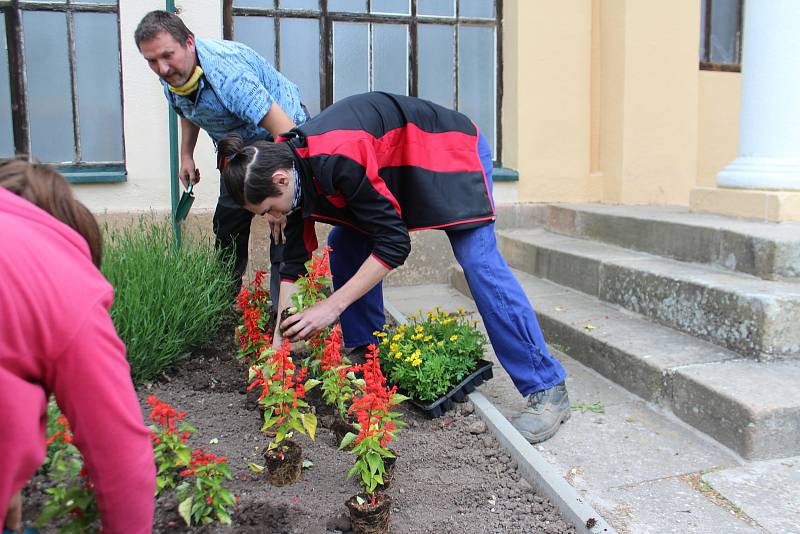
159,21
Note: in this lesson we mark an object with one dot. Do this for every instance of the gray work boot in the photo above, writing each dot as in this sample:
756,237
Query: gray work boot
544,414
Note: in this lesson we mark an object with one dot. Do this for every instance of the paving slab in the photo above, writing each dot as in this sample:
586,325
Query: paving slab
667,506
627,444
767,491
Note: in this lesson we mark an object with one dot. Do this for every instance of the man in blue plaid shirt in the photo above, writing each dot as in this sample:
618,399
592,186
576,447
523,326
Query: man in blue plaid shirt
221,87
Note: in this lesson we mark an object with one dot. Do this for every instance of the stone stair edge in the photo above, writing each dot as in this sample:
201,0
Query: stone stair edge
767,250
704,301
657,384
623,257
680,215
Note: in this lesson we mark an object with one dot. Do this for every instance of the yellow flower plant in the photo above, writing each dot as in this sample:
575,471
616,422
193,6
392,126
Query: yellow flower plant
426,358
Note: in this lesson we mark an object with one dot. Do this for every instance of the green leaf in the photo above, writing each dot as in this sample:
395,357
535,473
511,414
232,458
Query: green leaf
347,440
375,462
185,510
311,383
255,468
397,398
307,464
310,423
297,425
223,517
184,455
353,471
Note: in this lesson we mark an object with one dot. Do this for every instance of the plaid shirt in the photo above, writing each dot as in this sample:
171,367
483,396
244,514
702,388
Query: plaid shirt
237,88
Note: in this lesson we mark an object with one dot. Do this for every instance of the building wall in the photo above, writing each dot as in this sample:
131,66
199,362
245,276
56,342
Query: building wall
718,123
546,102
145,121
603,102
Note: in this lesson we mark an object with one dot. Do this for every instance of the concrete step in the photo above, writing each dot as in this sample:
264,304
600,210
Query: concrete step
756,318
767,250
751,407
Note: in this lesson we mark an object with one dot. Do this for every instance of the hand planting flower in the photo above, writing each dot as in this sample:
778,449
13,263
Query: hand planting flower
426,358
377,425
169,434
312,287
283,388
206,498
310,290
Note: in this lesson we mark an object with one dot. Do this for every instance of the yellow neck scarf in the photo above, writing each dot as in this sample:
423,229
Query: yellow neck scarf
191,84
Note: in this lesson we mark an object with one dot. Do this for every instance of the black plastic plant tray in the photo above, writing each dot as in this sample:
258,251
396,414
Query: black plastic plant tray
459,393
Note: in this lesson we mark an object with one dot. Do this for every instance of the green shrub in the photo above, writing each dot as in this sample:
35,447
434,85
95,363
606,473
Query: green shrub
167,299
427,358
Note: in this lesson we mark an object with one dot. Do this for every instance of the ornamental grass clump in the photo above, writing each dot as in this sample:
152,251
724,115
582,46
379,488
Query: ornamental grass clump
168,299
426,358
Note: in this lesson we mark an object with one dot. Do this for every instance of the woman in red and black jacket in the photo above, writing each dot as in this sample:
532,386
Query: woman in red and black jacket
377,166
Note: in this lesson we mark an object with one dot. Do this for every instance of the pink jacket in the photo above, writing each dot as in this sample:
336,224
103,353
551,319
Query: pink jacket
56,337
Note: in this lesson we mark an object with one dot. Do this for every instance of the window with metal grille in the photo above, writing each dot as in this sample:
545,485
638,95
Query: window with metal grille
447,51
60,86
721,34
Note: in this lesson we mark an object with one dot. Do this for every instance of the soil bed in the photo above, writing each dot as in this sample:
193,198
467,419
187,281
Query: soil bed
451,475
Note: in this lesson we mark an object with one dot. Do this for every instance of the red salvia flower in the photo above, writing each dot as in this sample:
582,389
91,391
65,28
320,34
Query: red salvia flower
63,434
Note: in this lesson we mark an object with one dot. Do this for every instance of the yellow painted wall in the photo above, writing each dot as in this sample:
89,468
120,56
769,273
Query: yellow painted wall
660,126
546,86
718,123
602,100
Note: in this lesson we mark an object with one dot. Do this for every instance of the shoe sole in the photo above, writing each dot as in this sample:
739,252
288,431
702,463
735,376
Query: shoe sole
549,433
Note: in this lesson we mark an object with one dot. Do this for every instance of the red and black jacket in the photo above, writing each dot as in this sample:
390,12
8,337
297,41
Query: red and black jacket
385,165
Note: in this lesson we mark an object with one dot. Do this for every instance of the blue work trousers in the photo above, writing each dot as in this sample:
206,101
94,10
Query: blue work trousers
506,311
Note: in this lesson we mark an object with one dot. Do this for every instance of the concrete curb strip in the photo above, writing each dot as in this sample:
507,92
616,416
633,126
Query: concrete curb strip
538,472
532,466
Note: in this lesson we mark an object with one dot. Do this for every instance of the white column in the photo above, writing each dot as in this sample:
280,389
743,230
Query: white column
769,131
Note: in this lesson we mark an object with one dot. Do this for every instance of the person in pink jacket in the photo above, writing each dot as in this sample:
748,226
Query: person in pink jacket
56,337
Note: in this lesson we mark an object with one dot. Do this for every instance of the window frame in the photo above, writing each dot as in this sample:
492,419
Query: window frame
705,61
79,171
328,18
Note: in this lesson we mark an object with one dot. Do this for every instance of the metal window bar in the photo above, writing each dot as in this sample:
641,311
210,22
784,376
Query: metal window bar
12,9
708,28
327,18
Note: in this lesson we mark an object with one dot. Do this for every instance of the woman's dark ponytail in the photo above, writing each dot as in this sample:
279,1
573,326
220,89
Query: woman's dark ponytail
230,146
233,166
247,169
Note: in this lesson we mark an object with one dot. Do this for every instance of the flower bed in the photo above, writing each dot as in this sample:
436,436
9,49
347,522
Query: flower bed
448,478
267,473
